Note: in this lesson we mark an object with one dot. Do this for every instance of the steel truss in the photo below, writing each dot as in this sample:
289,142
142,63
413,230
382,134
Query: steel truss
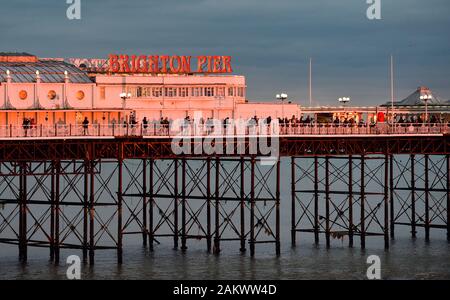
340,197
420,188
91,204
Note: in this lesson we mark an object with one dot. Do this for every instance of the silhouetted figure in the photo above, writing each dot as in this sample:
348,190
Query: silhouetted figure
26,125
85,126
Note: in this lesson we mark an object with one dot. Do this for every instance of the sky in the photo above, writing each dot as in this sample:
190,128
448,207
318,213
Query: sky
270,41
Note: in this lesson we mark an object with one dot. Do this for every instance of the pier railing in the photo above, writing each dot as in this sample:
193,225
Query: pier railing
164,130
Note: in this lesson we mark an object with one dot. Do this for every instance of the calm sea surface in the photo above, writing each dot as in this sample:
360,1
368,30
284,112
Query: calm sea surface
406,260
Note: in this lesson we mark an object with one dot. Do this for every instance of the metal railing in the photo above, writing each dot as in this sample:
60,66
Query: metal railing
165,130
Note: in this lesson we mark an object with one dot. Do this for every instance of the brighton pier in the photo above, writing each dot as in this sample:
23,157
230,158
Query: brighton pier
168,64
86,160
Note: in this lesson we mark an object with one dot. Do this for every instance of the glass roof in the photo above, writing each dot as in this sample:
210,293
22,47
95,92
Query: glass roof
50,72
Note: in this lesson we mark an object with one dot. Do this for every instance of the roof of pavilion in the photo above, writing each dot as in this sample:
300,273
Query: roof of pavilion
23,66
414,99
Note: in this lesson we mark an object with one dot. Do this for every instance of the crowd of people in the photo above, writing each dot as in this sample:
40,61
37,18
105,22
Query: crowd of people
164,122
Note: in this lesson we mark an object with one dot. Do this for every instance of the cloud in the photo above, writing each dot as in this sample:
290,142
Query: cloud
270,41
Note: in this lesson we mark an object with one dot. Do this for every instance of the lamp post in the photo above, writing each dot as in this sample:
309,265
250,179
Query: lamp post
425,99
344,100
282,97
124,97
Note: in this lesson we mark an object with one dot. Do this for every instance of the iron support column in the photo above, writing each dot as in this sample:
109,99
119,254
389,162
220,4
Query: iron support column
119,206
363,208
448,198
316,200
242,177
144,203
413,198
386,202
217,211
183,204
391,198
175,206
427,201
91,212
57,212
252,207
52,212
277,203
350,202
85,209
327,201
208,204
150,205
293,221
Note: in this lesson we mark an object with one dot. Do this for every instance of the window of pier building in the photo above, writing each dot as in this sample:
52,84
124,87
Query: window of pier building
209,91
184,91
221,91
240,92
170,92
157,92
197,92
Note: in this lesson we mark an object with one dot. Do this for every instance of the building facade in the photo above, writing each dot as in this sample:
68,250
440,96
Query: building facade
56,91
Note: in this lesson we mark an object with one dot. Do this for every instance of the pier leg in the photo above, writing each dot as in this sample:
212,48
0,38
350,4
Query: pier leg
119,209
150,206
183,204
91,213
52,213
316,200
57,211
252,208
242,235
350,202
23,213
448,198
208,204
413,198
277,196
363,212
327,201
427,203
386,202
216,249
391,198
144,203
85,210
175,207
293,221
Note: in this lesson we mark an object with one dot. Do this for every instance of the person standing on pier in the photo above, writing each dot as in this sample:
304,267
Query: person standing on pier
85,126
145,124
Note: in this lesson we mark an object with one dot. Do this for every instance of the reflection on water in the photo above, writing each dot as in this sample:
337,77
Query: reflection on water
407,259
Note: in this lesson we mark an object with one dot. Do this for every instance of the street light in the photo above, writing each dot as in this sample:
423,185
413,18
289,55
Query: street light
282,97
344,100
124,97
425,99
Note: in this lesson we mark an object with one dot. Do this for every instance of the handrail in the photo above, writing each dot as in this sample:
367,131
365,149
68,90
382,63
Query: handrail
190,129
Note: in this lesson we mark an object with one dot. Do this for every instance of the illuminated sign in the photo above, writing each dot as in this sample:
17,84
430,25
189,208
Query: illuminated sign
121,63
